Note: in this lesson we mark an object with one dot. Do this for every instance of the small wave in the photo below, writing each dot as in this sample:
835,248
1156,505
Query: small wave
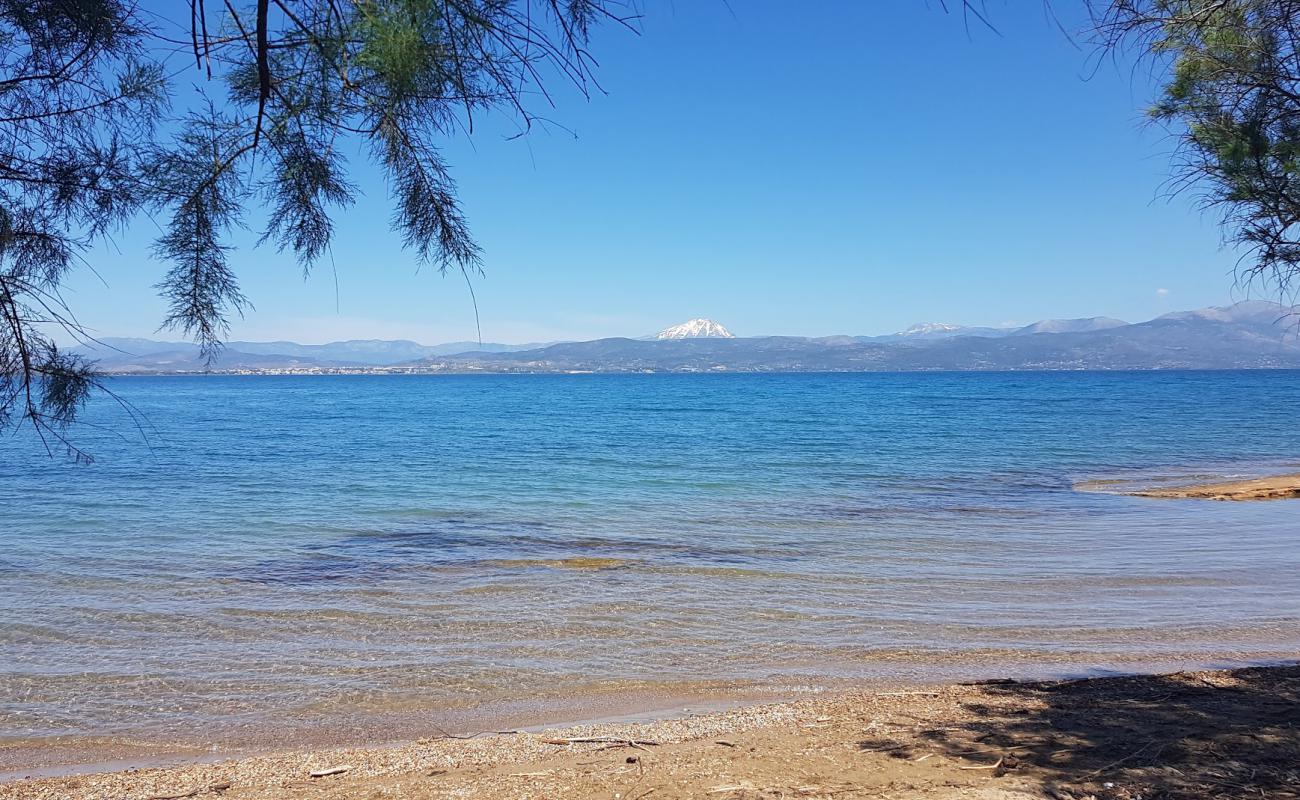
578,562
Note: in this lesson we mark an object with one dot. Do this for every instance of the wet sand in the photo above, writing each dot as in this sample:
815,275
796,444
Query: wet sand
1181,735
1274,487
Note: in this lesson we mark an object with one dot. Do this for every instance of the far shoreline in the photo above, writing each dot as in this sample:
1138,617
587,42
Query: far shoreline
417,373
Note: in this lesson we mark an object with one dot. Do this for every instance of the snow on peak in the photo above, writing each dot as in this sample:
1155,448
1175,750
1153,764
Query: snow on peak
923,328
695,329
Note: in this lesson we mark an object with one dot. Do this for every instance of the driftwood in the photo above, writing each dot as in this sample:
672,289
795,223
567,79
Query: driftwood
195,792
612,741
890,749
735,787
325,773
1125,759
1000,766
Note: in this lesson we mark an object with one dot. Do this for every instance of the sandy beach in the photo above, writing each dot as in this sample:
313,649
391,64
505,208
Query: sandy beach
1181,735
1273,487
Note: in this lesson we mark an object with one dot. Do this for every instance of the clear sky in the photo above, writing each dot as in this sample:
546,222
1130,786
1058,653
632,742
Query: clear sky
784,168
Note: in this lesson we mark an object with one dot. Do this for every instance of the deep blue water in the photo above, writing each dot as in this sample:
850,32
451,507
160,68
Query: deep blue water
268,550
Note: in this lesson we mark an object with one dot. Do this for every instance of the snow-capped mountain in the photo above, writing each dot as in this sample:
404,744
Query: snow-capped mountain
925,331
696,329
930,329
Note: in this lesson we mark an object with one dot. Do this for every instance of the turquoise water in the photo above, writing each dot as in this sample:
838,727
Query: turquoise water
275,557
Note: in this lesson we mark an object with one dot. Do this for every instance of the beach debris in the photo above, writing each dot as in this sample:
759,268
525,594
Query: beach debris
824,791
1125,759
998,767
725,743
728,789
889,749
449,735
195,792
610,741
325,773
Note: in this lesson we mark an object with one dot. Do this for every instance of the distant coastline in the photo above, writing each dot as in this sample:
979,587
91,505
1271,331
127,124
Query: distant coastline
451,371
1249,335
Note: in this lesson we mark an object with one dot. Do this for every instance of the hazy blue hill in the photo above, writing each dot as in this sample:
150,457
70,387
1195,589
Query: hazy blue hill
374,351
187,358
768,353
126,346
930,332
1247,335
120,354
1260,315
1070,325
935,331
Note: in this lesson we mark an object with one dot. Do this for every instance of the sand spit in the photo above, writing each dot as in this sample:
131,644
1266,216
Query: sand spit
1274,487
1183,735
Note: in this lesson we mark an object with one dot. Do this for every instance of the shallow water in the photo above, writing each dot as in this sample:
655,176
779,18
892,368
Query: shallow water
345,557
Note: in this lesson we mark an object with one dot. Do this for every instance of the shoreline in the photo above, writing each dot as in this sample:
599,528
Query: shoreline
1179,733
64,757
1278,486
1272,487
201,740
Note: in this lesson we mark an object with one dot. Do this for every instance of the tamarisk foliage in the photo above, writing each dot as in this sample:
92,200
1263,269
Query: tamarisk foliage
92,136
1230,74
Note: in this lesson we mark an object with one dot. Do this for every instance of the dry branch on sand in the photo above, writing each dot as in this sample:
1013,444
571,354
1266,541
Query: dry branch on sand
195,792
611,741
325,773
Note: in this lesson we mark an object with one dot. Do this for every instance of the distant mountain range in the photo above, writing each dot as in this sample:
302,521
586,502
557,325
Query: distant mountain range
116,354
1248,335
943,330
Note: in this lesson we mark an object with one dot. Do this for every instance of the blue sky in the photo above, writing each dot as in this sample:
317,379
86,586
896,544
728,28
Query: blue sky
852,167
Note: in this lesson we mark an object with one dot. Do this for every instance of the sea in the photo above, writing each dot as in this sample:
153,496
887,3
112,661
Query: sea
253,562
